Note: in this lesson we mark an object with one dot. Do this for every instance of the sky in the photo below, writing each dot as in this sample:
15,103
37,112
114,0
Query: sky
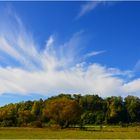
83,47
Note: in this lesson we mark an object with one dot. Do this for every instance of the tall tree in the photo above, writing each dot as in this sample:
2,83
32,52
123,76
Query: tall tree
63,111
114,109
132,105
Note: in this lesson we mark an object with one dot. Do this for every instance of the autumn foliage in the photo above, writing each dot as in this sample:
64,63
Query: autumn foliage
67,110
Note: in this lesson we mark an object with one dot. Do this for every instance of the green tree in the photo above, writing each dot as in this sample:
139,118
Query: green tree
132,105
24,117
114,109
36,109
88,118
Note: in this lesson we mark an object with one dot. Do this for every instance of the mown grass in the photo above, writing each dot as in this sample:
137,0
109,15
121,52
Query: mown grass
90,133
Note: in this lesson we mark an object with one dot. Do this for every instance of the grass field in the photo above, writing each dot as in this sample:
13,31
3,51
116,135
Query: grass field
94,133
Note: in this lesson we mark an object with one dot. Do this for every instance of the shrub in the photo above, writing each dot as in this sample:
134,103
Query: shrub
37,124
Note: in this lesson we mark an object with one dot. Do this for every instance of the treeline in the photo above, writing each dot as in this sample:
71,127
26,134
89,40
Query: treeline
67,110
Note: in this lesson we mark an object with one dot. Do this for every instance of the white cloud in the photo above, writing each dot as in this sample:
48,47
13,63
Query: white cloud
57,69
94,53
132,86
95,79
137,66
86,8
49,42
92,5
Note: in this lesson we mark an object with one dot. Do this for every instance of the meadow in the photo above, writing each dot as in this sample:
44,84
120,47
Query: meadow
90,133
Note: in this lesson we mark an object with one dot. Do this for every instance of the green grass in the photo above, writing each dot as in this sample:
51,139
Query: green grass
91,133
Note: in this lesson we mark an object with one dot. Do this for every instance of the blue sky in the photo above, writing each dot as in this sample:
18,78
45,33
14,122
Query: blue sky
47,48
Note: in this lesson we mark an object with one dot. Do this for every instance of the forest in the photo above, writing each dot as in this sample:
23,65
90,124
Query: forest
66,110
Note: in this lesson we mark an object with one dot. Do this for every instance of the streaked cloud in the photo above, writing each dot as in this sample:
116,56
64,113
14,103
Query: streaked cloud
137,66
88,7
50,41
56,69
94,53
95,79
132,86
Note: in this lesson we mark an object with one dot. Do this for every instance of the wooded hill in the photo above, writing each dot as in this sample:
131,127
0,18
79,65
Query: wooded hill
67,110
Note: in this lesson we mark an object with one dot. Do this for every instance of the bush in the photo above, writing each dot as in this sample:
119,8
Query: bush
6,123
37,124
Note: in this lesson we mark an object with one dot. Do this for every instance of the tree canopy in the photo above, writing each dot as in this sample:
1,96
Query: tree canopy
67,110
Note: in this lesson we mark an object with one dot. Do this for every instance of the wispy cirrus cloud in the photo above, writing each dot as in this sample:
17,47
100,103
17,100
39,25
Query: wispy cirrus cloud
56,68
49,42
88,7
94,53
137,66
132,87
